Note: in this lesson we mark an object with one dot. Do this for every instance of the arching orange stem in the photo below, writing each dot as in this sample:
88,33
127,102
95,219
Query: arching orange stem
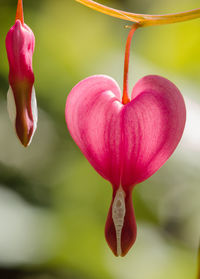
20,14
125,98
142,19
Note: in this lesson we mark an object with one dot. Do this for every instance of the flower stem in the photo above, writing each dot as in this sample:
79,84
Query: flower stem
19,13
125,98
143,19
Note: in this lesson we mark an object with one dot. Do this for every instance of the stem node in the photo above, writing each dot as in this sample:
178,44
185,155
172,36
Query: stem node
19,13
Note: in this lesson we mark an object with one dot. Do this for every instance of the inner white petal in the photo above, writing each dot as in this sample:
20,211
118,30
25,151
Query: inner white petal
11,106
118,214
34,112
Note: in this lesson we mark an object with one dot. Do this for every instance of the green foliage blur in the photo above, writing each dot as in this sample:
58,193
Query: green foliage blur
53,205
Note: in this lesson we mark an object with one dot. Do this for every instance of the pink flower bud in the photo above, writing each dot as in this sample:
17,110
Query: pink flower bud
22,106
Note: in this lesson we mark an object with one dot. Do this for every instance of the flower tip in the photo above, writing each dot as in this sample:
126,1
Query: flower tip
25,143
19,13
25,139
24,119
24,132
120,230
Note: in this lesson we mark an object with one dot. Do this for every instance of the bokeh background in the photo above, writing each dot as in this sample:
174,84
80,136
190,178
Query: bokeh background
53,205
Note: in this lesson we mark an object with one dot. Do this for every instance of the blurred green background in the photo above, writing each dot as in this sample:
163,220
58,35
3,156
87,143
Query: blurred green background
53,205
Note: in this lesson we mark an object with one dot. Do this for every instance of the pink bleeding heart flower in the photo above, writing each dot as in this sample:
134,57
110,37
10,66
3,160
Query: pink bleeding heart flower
125,141
21,100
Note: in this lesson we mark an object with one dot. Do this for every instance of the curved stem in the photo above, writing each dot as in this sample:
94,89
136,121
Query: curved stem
143,19
125,98
19,13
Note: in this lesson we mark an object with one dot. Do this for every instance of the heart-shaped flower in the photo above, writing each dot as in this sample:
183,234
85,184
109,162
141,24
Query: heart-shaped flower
125,144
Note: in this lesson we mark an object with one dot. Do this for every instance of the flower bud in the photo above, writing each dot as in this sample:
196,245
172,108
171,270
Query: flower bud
21,100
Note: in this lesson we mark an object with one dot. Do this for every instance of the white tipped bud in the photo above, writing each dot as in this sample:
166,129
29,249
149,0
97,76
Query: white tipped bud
12,111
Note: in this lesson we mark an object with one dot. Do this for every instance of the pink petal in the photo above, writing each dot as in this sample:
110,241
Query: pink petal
153,123
92,116
20,43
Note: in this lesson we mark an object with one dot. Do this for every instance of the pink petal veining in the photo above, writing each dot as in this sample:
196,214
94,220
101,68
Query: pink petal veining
91,111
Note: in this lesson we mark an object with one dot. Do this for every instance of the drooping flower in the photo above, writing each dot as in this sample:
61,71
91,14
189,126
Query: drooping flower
126,141
21,100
